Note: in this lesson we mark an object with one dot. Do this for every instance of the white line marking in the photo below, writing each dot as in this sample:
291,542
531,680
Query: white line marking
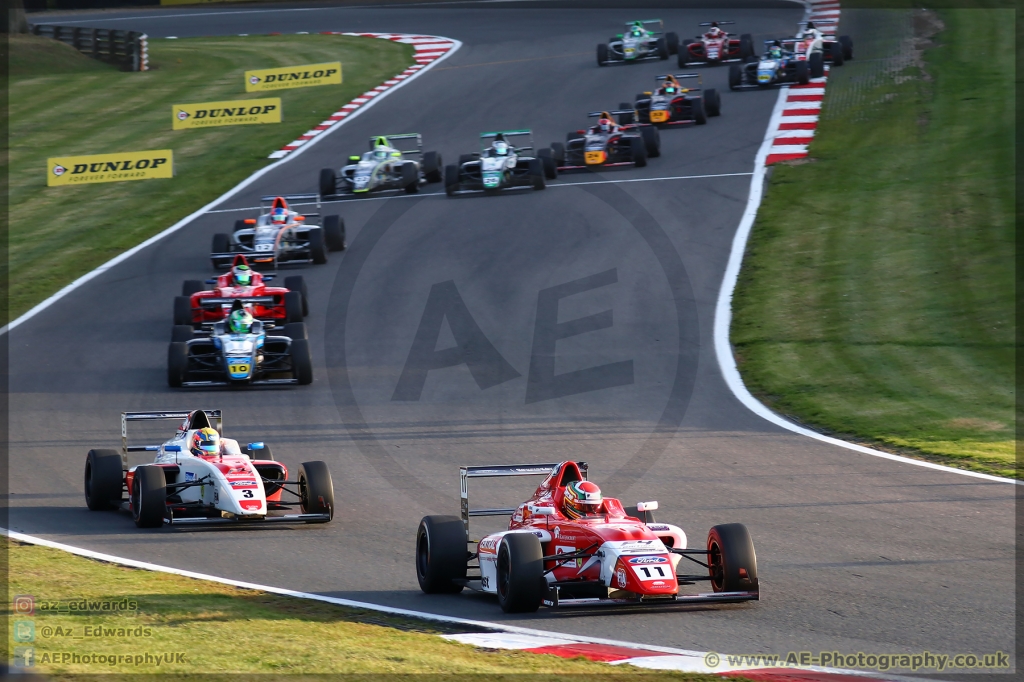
223,197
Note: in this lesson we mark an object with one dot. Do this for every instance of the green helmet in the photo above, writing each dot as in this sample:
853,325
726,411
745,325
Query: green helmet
239,321
242,276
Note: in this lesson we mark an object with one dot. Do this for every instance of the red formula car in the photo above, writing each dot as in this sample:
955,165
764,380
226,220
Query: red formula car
715,46
605,555
201,304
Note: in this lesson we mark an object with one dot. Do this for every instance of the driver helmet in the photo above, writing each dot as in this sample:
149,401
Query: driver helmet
380,153
279,216
714,30
205,442
239,321
242,276
500,148
582,498
669,87
775,51
605,125
637,31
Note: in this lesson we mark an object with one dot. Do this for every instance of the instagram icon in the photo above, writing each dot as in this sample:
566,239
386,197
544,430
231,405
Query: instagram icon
24,605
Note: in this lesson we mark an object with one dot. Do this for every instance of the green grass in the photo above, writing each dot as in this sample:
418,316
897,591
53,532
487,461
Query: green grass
876,300
63,103
224,630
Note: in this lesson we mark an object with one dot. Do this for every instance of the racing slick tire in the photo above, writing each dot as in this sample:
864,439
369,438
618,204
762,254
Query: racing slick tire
328,181
547,158
537,173
803,73
192,286
836,51
293,307
104,480
451,179
662,48
441,554
298,283
735,76
700,116
181,333
731,559
746,46
638,153
149,496
317,247
521,583
636,513
847,44
672,39
602,54
221,243
334,233
296,330
684,53
433,169
183,310
177,363
264,453
558,152
712,102
316,489
652,141
302,362
410,178
817,64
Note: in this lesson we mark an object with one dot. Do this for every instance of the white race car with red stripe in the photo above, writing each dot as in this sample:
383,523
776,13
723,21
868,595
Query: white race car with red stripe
182,488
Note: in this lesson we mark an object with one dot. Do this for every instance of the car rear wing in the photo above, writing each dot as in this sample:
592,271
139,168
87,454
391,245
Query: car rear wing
500,471
659,22
213,302
389,139
683,76
504,134
613,112
297,199
712,23
214,417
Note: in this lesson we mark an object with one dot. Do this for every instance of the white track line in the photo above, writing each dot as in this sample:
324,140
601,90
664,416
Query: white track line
683,658
456,44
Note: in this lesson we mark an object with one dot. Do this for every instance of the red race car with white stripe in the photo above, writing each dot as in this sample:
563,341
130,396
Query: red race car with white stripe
617,556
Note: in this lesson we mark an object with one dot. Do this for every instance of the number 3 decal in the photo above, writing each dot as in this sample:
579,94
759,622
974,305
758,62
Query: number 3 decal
246,493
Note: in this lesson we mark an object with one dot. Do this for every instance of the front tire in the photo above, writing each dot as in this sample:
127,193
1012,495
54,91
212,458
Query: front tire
547,158
712,102
182,333
652,141
302,362
183,310
602,54
298,283
817,64
317,247
637,152
558,152
537,173
316,489
432,167
296,330
149,496
847,44
836,51
293,306
700,116
451,179
328,182
735,76
441,554
661,46
334,233
521,584
104,480
746,46
672,40
732,563
803,76
410,178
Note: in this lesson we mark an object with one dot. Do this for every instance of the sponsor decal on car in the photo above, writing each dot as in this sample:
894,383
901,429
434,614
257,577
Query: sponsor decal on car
251,505
303,76
648,560
489,545
620,577
77,170
658,526
562,549
242,484
230,113
189,476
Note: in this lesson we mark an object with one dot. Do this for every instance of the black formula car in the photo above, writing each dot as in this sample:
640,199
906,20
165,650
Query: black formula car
500,165
672,104
608,143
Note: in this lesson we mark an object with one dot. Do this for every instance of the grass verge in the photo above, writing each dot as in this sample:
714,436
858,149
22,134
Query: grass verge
876,300
64,103
219,629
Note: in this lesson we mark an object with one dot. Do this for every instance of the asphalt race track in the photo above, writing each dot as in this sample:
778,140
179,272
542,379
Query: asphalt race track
856,553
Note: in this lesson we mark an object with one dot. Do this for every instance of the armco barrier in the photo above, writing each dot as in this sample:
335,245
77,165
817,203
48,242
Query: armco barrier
130,49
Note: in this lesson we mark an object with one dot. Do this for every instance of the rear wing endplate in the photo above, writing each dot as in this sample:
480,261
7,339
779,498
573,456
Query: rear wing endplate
499,471
214,416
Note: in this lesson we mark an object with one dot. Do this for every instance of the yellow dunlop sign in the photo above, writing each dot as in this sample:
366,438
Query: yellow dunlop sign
293,77
232,113
75,170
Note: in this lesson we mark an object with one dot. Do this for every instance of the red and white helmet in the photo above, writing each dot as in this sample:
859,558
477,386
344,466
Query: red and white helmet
605,125
582,498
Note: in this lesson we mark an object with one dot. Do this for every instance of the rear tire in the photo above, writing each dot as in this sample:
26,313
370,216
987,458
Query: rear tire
298,283
662,48
451,179
684,54
295,331
317,248
410,178
521,583
104,480
432,167
803,73
732,563
441,554
652,141
735,76
302,362
672,39
149,496
637,152
177,364
183,310
837,54
221,243
626,119
602,54
537,173
558,152
293,306
816,65
334,233
712,102
192,286
328,182
547,158
847,44
316,489
182,333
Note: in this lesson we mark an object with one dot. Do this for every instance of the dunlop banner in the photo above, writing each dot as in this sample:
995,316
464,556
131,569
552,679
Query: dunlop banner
293,77
75,170
233,113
